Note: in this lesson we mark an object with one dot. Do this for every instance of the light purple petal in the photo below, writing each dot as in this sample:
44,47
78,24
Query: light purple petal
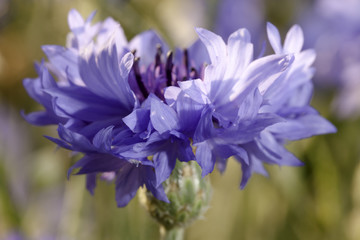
150,183
274,38
75,21
171,94
104,75
103,139
302,127
40,118
249,108
214,44
189,113
128,182
91,182
240,53
262,71
138,120
163,117
205,158
164,164
294,40
196,89
78,142
274,152
112,29
64,61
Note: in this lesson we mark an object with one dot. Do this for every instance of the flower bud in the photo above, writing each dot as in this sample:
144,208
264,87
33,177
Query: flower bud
189,196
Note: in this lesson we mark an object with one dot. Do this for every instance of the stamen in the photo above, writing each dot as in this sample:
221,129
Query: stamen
134,161
169,66
215,122
140,83
186,62
158,55
193,73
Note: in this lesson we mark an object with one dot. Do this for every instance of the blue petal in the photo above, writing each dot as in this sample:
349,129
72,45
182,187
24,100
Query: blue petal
90,129
249,108
163,117
36,87
78,142
91,183
204,129
90,17
138,120
248,168
240,53
103,139
302,127
205,158
150,183
47,81
40,118
95,163
105,76
223,152
107,32
184,151
274,38
60,142
82,104
214,44
294,40
171,94
128,182
240,153
164,164
64,61
75,21
263,71
246,174
246,131
189,113
196,89
274,152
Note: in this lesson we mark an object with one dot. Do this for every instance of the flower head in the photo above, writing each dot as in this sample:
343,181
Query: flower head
133,111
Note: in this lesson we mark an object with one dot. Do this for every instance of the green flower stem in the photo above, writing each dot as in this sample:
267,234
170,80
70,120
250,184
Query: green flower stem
176,233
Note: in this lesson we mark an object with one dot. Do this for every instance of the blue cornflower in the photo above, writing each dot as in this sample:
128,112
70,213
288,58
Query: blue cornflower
132,112
101,87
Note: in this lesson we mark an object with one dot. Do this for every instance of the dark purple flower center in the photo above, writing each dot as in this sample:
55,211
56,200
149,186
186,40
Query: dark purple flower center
160,74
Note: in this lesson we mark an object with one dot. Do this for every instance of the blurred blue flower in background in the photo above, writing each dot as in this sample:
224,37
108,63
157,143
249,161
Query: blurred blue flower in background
232,15
333,29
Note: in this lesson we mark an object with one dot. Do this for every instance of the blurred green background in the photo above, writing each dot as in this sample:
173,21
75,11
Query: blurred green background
318,201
